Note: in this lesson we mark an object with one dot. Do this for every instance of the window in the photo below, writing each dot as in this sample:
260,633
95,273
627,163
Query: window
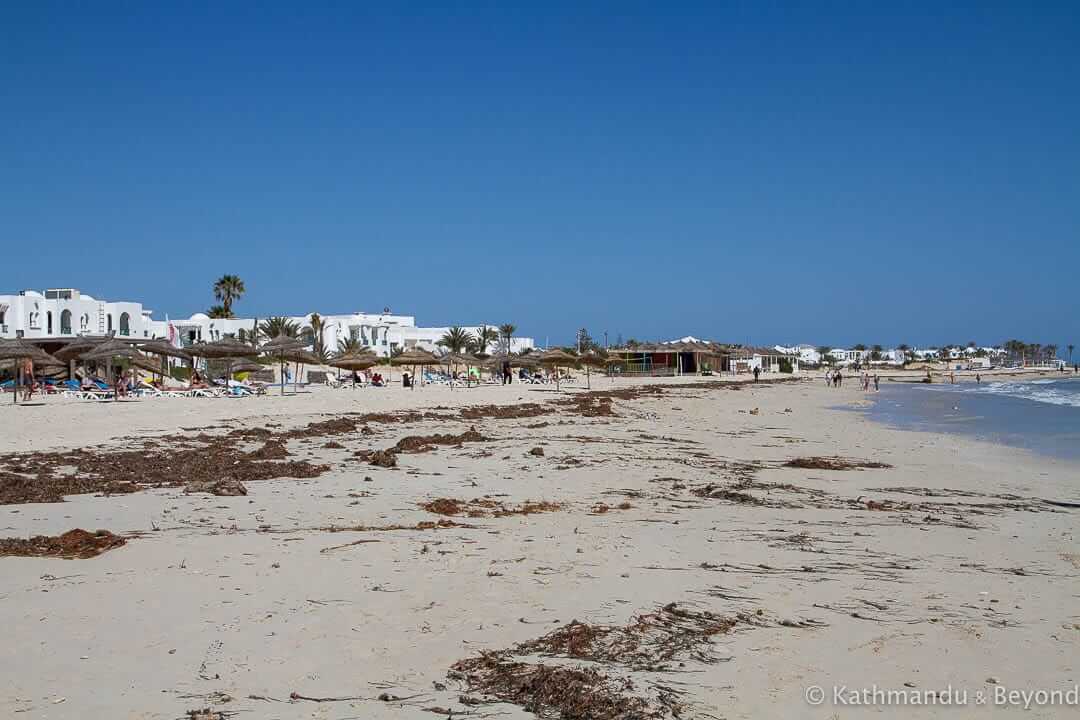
125,324
65,322
84,321
108,328
48,323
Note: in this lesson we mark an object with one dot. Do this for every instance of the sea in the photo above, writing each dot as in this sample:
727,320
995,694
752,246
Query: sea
1042,415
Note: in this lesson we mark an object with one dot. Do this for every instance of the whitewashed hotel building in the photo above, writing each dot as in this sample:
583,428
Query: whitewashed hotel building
59,315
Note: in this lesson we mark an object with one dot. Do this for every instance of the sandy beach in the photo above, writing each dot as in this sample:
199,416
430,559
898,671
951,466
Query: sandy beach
661,548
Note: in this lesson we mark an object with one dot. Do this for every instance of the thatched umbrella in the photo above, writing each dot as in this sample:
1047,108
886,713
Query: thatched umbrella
78,347
166,350
239,365
415,357
453,358
113,349
301,357
353,361
18,349
591,359
556,357
278,347
226,349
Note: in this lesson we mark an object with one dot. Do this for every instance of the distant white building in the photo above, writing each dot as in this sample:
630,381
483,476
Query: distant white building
63,314
849,357
807,354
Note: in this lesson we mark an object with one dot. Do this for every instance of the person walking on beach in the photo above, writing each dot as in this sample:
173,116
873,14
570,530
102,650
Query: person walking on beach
757,371
978,379
877,383
839,378
28,379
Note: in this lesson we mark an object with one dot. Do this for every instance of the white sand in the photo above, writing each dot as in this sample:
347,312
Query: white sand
207,605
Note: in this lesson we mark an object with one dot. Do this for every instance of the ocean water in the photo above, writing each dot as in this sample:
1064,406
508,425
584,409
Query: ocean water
1042,415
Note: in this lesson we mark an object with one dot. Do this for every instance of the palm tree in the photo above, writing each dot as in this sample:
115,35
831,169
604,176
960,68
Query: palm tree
228,289
507,331
484,336
348,345
318,325
271,327
1070,348
824,351
456,339
875,352
218,311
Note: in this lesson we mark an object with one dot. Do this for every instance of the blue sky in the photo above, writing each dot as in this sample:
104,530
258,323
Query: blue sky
829,173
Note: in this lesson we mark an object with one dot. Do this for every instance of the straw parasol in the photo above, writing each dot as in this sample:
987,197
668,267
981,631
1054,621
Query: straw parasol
278,347
415,357
556,357
353,361
238,365
112,349
226,349
78,347
466,359
18,349
590,360
166,350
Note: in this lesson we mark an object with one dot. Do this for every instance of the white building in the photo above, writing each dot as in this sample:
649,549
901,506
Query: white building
807,354
62,314
65,312
849,357
383,333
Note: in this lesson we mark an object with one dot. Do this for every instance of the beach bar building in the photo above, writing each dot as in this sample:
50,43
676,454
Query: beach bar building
670,359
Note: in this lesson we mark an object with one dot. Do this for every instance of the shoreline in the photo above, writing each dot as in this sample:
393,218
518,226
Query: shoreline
945,568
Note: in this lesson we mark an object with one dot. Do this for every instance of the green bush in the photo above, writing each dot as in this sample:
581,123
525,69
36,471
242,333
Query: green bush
785,366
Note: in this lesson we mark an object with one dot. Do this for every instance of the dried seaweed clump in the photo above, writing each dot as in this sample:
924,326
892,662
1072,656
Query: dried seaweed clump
719,492
379,458
560,692
504,412
833,463
487,507
425,443
648,642
74,544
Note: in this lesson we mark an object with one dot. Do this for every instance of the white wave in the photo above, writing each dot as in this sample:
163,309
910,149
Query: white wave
1038,392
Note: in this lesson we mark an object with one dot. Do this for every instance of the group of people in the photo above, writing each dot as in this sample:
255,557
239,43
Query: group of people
835,379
